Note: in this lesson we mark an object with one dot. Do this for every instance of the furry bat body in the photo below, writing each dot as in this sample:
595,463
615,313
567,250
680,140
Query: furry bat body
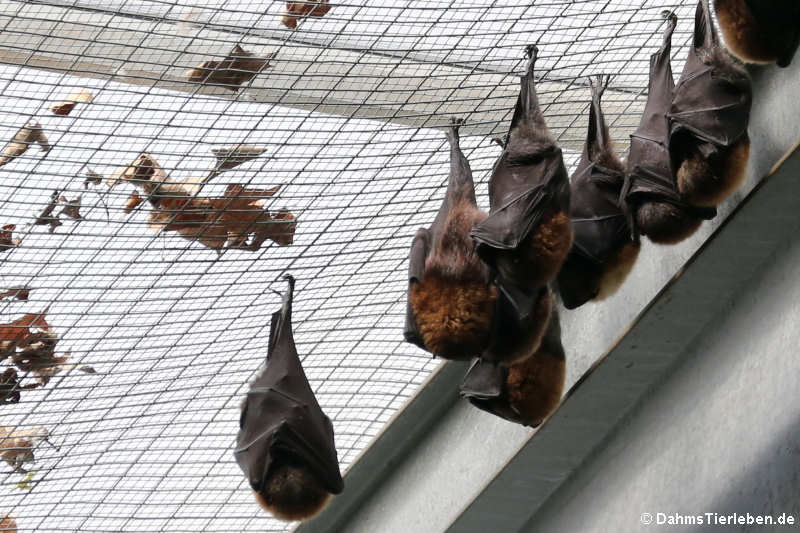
527,392
603,251
285,445
708,118
239,67
760,31
650,193
450,299
528,233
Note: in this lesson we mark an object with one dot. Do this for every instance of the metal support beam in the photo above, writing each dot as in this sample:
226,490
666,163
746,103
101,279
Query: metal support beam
149,49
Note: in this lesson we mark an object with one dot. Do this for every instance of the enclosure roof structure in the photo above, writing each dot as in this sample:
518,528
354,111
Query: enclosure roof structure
349,118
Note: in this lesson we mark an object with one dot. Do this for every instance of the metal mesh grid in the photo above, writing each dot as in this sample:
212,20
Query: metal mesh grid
348,115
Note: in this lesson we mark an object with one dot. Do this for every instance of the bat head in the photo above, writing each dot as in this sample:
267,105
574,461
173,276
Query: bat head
292,493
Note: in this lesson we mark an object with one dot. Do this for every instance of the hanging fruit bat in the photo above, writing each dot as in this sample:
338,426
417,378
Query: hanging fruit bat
238,68
653,205
30,133
526,392
296,11
760,31
708,118
450,299
66,107
285,445
603,251
513,337
527,234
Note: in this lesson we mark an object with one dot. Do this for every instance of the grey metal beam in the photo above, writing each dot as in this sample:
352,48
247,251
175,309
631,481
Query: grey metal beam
151,50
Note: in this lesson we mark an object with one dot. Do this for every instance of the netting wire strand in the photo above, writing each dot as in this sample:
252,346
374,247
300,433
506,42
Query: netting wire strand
351,115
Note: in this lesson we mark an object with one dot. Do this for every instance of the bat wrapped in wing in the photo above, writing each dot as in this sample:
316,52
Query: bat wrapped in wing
708,118
527,392
528,233
603,250
650,193
450,299
285,445
760,31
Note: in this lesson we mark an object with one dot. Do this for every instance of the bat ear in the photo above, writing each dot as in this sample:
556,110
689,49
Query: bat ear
704,34
597,138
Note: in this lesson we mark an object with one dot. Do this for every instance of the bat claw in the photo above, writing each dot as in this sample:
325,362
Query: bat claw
531,52
670,17
498,141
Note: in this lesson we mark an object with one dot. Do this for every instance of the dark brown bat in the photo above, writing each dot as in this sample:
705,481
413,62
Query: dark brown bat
450,299
238,68
760,31
603,250
285,445
650,193
708,118
527,392
515,338
528,232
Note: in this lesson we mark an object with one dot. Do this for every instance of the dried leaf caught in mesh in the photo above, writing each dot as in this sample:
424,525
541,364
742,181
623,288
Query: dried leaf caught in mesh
143,172
71,208
236,220
238,68
16,446
233,156
133,202
10,386
31,344
92,178
20,293
296,11
7,240
8,524
46,216
29,133
66,107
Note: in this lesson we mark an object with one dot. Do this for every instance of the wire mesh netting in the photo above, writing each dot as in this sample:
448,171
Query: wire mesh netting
346,122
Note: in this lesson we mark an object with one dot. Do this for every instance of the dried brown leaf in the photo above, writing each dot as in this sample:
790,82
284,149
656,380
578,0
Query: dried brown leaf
144,172
229,220
66,107
7,240
10,386
238,68
233,156
133,202
296,11
29,133
16,446
71,208
8,524
20,293
92,177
